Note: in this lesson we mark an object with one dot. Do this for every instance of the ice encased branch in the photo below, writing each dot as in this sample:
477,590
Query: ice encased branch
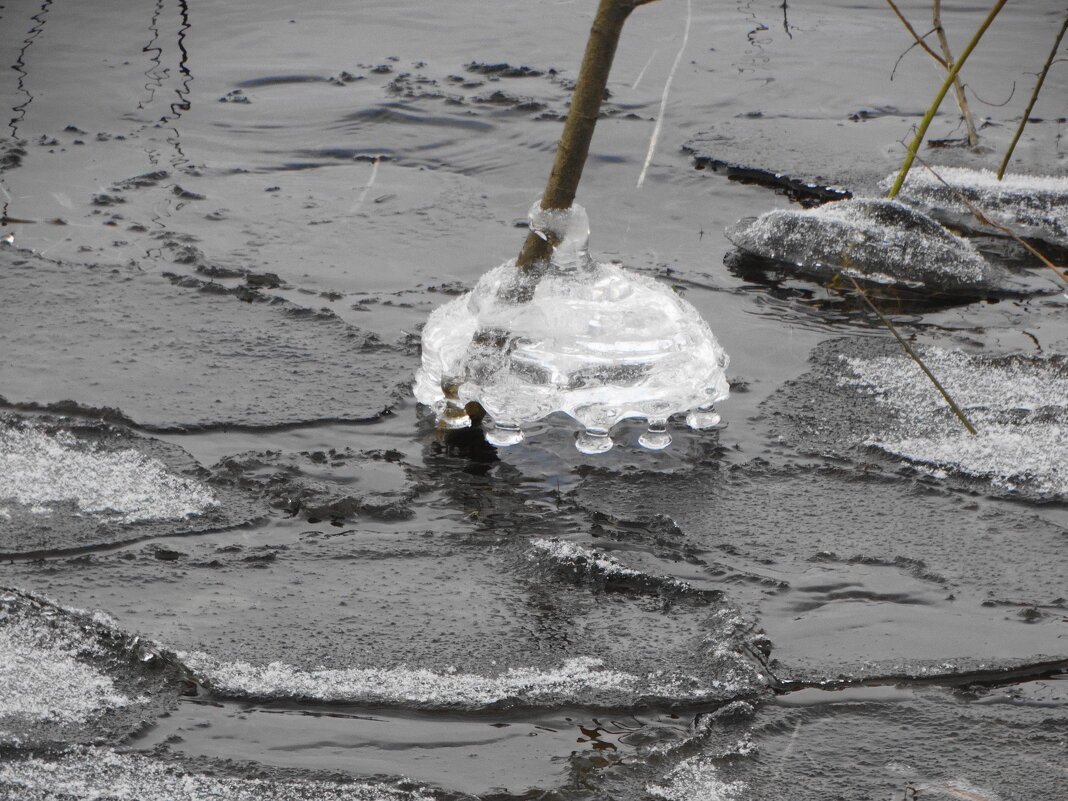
594,341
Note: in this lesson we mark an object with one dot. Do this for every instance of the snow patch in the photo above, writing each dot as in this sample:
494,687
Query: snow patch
40,679
1017,404
123,485
94,773
575,678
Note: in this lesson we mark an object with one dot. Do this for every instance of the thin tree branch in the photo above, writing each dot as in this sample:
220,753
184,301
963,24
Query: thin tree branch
581,119
929,116
1034,97
917,37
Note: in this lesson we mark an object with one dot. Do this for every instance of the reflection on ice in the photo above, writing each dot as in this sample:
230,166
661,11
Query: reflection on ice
594,341
876,240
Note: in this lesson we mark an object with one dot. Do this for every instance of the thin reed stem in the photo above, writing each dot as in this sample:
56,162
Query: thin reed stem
1034,97
919,39
915,357
958,89
581,119
925,123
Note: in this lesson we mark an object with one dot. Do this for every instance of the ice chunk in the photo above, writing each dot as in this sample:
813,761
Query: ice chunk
125,485
877,240
1029,205
594,341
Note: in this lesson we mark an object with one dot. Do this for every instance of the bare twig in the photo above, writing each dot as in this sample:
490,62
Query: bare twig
1060,272
962,100
919,39
929,116
1034,97
582,116
901,57
914,356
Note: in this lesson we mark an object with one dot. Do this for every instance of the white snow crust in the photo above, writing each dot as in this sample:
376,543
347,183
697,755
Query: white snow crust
1029,205
97,774
124,485
1016,404
575,678
697,779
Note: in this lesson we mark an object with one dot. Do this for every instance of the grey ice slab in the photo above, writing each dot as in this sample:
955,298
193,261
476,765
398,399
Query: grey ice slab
852,573
866,398
881,742
67,678
180,356
399,617
875,240
70,484
850,156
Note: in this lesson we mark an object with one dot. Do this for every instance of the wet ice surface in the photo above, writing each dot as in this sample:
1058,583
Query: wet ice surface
896,738
125,343
385,603
878,241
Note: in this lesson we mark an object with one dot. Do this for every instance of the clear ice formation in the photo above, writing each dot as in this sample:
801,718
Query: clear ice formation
1030,205
873,239
592,340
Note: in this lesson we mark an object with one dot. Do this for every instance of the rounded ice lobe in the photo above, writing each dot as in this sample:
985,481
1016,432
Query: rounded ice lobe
873,239
594,341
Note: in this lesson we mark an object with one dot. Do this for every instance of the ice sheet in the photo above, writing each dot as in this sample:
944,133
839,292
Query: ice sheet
1030,205
37,468
1016,403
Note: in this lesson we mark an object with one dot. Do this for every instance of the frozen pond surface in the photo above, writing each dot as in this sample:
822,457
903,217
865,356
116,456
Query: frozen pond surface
237,560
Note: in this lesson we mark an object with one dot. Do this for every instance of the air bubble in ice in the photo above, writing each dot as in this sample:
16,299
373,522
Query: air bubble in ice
593,340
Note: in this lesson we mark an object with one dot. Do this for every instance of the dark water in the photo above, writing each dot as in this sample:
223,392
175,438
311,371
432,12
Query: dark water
231,220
